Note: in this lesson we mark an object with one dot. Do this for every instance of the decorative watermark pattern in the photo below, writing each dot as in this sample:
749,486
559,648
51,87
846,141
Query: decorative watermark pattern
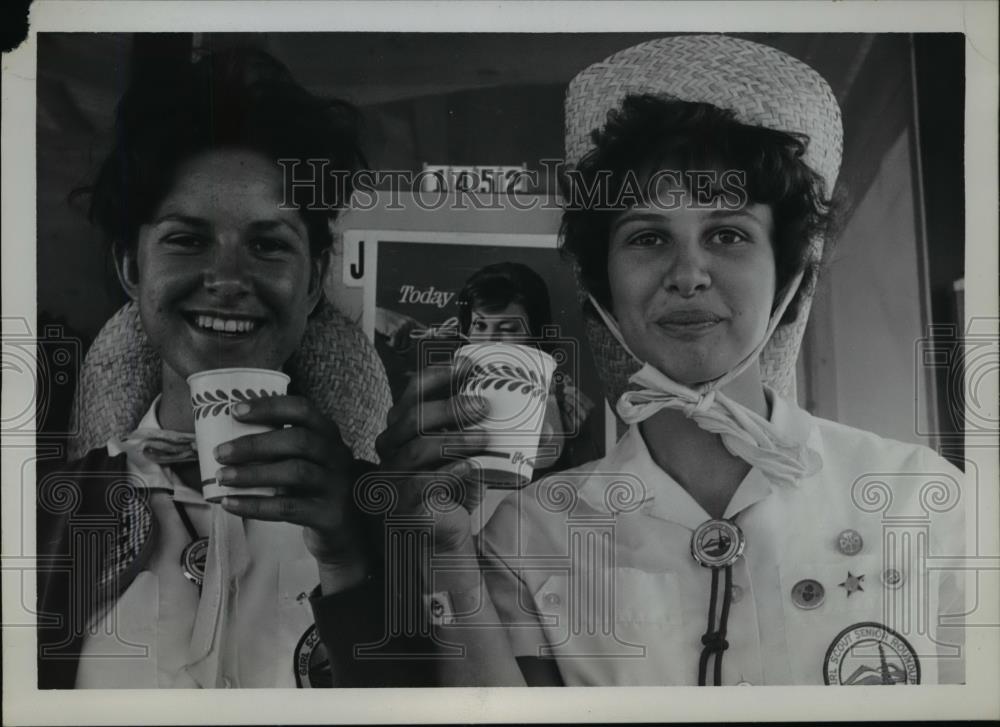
969,363
39,373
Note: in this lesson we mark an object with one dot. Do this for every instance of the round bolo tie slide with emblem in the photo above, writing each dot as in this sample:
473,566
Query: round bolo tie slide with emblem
193,559
195,554
717,544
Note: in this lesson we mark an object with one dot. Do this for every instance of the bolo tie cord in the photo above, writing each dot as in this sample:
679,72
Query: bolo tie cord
186,519
714,641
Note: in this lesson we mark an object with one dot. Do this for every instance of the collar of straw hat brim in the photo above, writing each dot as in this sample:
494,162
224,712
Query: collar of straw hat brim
336,367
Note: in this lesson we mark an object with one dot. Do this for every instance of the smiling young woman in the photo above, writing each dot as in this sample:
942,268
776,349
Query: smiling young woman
223,270
223,276
693,288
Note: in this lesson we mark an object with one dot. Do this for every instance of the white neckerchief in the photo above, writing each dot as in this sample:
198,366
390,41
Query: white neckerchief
148,449
745,434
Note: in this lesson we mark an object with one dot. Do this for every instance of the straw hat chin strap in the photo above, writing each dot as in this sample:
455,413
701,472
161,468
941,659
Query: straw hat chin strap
745,434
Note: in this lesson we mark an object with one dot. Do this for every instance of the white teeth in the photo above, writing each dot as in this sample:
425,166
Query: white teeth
226,325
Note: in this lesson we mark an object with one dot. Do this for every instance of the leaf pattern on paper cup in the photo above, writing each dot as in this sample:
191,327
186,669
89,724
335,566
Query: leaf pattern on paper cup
503,375
212,404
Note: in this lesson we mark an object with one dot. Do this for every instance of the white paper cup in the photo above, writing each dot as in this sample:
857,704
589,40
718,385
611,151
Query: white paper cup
514,380
213,394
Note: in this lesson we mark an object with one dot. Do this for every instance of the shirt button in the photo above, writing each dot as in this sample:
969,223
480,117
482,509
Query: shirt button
808,594
892,578
850,542
737,594
552,599
744,683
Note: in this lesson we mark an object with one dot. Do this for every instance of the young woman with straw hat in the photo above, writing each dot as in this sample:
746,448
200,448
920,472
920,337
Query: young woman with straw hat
729,537
222,272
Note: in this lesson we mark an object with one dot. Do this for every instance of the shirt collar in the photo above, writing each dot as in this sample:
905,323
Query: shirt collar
663,497
791,421
153,476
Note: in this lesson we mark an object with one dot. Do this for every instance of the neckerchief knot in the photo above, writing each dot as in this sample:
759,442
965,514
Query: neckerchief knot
744,433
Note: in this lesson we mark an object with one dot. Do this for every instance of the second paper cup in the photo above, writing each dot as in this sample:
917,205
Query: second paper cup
514,380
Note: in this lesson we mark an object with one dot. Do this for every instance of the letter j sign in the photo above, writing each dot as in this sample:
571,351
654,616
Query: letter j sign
356,261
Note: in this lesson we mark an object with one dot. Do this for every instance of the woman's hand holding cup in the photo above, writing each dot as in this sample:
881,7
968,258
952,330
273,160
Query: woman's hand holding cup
426,445
304,457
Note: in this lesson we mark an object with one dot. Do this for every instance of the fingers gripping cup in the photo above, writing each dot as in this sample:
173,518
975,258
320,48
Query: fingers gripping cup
514,381
213,394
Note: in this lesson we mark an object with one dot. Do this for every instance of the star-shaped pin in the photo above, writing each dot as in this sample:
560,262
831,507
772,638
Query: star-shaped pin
853,583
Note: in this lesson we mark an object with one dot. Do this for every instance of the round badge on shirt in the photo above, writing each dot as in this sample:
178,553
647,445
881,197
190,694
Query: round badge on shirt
808,594
312,666
850,542
892,578
870,653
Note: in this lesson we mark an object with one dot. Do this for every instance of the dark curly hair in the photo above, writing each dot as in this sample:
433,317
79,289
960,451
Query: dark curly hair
648,133
497,286
238,98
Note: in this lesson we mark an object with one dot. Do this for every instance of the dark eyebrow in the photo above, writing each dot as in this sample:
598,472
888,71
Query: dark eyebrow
636,216
183,219
741,212
715,214
200,223
268,225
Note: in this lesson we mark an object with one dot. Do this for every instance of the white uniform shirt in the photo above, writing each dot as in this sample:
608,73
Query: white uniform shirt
145,640
594,567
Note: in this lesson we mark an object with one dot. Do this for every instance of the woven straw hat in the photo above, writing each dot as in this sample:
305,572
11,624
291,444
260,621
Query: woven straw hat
335,366
763,87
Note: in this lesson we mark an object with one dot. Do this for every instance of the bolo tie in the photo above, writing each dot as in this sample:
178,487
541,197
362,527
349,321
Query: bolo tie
717,544
195,553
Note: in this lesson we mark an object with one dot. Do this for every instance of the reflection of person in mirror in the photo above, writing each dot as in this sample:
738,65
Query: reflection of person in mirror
509,302
175,591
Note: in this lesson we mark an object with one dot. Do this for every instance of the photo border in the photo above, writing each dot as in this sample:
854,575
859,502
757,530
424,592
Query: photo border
24,705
